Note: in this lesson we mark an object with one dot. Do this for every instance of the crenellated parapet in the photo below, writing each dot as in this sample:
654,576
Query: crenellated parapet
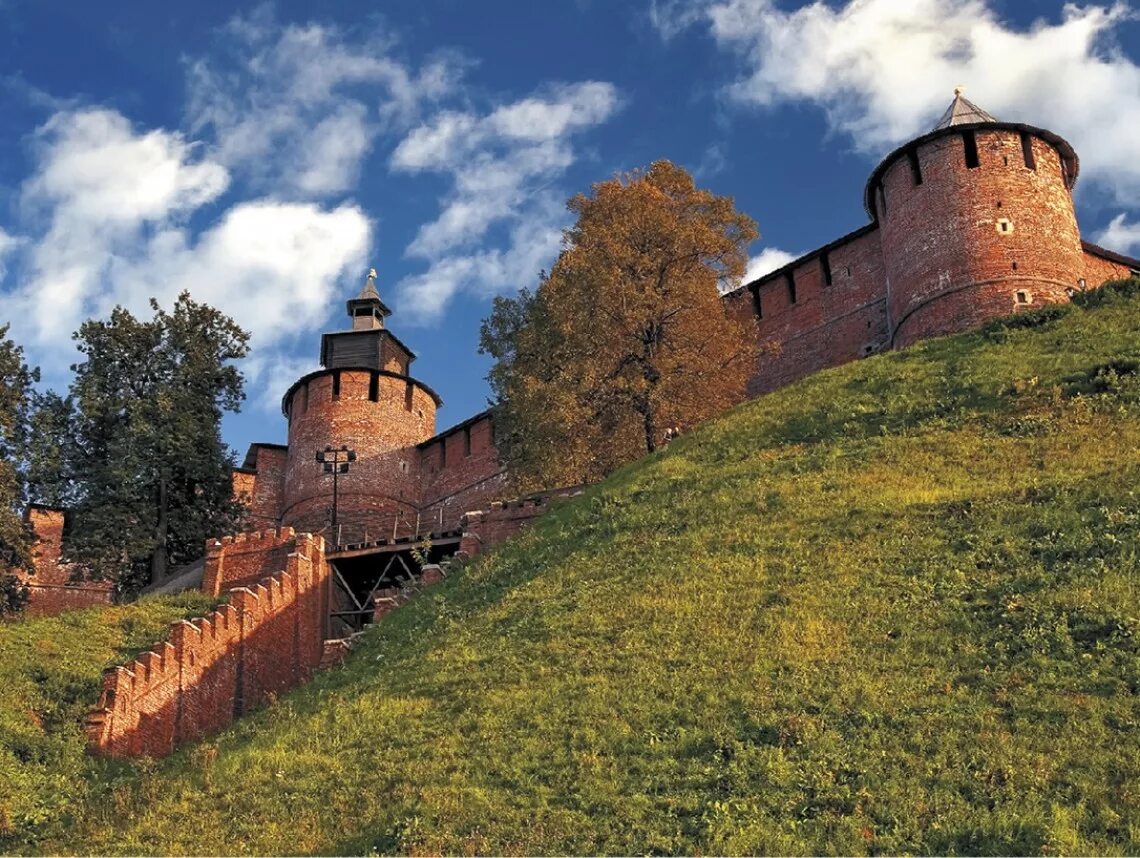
268,639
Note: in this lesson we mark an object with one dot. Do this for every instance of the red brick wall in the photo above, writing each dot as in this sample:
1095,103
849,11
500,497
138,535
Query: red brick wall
211,670
1099,270
244,559
484,529
827,324
384,482
949,266
460,471
263,490
50,589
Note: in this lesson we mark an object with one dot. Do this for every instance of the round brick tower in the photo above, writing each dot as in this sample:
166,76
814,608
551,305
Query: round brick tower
976,221
362,399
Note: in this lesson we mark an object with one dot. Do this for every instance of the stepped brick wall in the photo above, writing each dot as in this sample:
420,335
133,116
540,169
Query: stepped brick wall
484,529
268,639
244,559
51,590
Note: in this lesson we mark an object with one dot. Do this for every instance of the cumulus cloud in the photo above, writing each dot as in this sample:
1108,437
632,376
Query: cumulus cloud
108,212
882,70
98,187
768,260
300,106
1122,235
8,245
500,164
533,242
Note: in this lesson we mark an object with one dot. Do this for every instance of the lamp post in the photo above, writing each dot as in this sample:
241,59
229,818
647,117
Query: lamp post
335,462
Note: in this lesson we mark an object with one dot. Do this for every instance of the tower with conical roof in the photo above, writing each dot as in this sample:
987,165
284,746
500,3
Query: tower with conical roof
975,221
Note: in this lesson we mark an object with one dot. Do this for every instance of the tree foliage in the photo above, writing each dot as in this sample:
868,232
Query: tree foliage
16,381
627,336
144,461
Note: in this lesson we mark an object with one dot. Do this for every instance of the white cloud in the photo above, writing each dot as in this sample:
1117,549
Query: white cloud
99,186
1122,235
8,245
769,260
299,107
883,70
108,211
534,241
500,164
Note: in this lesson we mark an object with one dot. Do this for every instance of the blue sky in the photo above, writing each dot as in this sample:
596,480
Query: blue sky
265,158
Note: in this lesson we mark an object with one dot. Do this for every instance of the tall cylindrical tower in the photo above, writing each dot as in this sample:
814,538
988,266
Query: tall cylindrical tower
363,398
976,221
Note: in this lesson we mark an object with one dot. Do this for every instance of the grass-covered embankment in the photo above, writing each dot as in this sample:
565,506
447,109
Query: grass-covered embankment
50,675
893,608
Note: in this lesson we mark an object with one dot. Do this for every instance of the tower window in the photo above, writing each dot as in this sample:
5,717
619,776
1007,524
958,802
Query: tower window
825,264
336,385
915,167
467,441
1004,226
374,387
1027,151
755,290
882,200
408,396
1015,266
971,143
304,398
790,279
1023,297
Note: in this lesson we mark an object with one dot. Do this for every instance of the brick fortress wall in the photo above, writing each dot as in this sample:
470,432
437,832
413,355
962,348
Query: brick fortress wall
459,471
50,589
381,417
952,246
268,639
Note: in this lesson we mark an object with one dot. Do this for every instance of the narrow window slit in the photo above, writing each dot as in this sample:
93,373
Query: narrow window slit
374,387
971,143
915,167
791,280
825,263
1027,151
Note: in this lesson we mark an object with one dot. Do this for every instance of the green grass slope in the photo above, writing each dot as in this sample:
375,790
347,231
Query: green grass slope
50,675
893,608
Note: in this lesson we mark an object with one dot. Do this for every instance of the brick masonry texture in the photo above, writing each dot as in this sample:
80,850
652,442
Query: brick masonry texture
244,559
51,590
268,639
963,246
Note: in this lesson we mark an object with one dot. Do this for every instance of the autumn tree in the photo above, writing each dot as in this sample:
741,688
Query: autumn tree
627,335
144,462
16,381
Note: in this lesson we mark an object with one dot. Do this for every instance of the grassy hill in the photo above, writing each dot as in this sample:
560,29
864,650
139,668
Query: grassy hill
893,608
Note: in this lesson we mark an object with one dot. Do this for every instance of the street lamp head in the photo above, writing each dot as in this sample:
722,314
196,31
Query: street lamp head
328,467
352,455
320,456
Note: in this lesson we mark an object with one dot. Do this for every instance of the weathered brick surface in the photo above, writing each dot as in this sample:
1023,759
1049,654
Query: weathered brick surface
211,670
950,265
50,589
381,490
459,470
486,528
260,485
935,260
244,559
1099,270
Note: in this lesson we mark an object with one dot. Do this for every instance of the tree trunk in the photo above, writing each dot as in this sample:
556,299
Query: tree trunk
650,430
159,560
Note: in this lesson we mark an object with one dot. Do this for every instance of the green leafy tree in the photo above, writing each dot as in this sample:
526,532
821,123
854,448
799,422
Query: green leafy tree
16,381
627,337
145,462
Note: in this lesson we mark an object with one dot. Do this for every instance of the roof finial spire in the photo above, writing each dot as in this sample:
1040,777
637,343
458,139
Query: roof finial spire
958,90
